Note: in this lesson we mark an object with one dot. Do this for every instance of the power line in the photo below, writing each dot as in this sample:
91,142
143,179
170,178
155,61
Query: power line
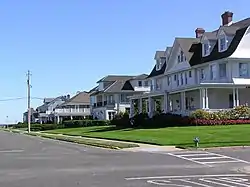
21,98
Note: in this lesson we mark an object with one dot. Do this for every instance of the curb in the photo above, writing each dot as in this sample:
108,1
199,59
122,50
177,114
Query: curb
73,140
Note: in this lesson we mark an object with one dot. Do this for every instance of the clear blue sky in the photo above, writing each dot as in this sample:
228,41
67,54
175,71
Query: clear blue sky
69,45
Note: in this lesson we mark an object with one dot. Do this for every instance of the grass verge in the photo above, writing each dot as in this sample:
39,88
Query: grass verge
96,143
210,136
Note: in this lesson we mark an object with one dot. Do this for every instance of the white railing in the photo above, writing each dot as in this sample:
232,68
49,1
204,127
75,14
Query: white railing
156,87
72,110
218,80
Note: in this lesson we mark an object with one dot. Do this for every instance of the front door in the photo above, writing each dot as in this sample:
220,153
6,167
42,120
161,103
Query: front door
231,101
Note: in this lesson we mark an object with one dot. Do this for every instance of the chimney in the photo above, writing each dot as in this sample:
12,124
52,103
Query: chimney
199,32
227,18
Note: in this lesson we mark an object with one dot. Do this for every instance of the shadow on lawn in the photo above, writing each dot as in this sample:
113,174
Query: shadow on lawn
112,128
115,128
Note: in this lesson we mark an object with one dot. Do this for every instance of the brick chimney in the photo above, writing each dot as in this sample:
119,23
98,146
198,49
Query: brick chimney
199,32
227,18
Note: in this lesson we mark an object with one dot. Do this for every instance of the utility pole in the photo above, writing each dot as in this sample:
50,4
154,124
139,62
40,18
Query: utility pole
29,110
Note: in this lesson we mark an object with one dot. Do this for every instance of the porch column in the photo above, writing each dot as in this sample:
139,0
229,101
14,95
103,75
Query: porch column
58,119
140,105
202,98
237,97
165,103
234,98
183,103
206,99
150,106
132,108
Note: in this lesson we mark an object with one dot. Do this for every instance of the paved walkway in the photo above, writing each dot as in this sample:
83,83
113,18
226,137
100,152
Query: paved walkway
142,146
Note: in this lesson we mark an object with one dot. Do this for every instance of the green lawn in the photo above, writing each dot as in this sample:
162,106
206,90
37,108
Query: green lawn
210,136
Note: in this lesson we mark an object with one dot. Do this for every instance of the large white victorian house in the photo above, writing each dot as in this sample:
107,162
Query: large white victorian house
210,71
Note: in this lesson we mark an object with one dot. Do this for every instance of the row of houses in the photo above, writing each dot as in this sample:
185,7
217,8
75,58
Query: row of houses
55,110
209,71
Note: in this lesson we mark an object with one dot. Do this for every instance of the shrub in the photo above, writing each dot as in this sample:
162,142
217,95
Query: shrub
200,114
239,112
204,122
84,123
121,120
44,127
20,125
140,120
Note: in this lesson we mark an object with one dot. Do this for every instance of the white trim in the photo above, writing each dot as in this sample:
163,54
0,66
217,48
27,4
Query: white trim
185,176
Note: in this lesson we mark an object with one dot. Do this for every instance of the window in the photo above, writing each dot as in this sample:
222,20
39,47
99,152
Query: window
202,74
206,49
146,83
158,65
222,45
124,98
140,83
175,77
169,80
110,99
185,77
243,68
160,62
190,74
182,56
181,78
158,84
222,70
178,82
213,72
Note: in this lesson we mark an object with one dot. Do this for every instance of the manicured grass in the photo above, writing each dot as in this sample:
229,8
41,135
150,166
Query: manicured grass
210,136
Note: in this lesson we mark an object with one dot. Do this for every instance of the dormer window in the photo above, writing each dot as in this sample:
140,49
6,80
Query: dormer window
160,63
222,43
181,57
206,49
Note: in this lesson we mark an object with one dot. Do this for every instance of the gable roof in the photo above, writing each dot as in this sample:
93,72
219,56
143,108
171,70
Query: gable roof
118,83
159,54
140,77
197,57
120,86
161,71
111,78
185,44
78,99
155,72
46,104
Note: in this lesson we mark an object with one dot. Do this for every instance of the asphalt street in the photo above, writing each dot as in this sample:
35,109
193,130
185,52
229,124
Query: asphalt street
36,162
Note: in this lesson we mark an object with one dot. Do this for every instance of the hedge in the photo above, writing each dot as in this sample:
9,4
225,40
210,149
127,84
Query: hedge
220,122
238,115
84,123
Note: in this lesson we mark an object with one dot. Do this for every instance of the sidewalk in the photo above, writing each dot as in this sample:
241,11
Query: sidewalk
142,147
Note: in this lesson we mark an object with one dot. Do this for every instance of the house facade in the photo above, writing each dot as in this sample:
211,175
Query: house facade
111,96
46,110
210,71
33,116
78,107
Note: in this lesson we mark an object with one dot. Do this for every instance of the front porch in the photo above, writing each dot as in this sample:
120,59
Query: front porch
186,101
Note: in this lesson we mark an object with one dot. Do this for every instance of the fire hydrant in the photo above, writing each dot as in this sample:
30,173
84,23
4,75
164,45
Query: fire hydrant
196,141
